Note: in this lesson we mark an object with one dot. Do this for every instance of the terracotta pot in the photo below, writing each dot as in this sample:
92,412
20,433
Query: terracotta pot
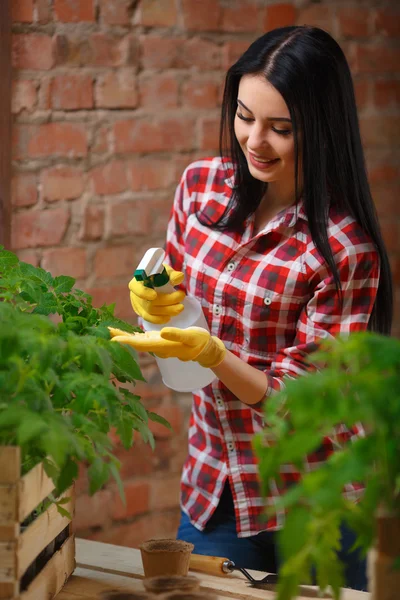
383,579
165,557
171,583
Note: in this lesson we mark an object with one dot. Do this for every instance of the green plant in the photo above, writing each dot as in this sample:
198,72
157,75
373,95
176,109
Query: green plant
60,377
359,382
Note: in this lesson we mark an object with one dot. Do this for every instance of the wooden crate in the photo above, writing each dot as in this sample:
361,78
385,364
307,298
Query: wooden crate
19,496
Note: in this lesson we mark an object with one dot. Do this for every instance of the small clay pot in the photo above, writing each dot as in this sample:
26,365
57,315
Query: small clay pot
165,557
171,583
119,595
188,596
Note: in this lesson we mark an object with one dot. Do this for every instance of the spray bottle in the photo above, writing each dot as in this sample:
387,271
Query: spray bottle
177,375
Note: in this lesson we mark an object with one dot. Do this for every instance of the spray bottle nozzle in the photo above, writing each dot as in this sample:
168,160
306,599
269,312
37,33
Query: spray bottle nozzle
151,270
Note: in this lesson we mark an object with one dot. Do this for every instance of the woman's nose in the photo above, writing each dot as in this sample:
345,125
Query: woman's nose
257,138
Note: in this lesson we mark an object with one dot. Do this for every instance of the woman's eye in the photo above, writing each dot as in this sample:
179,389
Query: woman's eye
247,119
282,131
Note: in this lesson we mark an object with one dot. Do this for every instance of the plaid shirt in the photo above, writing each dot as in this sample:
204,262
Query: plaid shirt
270,298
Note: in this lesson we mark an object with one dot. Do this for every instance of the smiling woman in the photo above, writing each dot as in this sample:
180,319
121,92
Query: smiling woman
280,244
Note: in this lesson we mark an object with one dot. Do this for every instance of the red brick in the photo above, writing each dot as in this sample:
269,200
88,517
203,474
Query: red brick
161,90
92,223
137,463
279,15
395,266
382,173
39,228
151,173
127,218
32,51
318,15
97,50
361,89
62,183
92,511
241,16
58,139
24,189
173,414
71,92
148,136
65,261
386,197
375,59
158,13
391,234
74,11
160,52
22,11
387,93
209,133
115,261
232,51
109,178
43,11
117,90
200,93
380,131
104,51
165,492
200,54
29,256
137,497
161,211
388,22
109,294
201,16
117,12
353,21
100,142
24,96
44,93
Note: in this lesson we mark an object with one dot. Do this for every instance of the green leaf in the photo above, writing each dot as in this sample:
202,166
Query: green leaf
158,419
63,512
63,284
30,429
125,360
7,259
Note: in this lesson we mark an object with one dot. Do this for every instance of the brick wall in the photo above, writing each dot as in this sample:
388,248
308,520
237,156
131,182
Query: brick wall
111,100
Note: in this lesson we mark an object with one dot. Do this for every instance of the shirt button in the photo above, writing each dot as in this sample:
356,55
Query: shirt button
231,266
217,310
267,301
231,446
220,402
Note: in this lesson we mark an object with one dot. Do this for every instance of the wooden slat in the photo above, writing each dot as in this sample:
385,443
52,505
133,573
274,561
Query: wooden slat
54,575
34,487
41,532
107,558
9,532
8,504
9,589
10,462
7,561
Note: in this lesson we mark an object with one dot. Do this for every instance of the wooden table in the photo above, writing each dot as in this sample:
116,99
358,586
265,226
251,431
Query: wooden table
105,566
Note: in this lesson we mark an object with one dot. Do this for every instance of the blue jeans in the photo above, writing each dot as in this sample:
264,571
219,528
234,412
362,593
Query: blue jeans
260,551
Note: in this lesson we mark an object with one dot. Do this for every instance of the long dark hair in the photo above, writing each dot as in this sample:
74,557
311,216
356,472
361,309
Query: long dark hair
310,71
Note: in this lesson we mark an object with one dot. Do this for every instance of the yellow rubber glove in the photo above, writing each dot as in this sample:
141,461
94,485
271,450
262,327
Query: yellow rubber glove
193,343
153,307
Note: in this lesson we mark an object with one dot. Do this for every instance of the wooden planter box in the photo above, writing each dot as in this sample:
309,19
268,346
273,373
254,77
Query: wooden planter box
19,547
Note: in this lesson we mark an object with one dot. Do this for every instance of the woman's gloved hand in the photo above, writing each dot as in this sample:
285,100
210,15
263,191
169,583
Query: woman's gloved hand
153,307
193,343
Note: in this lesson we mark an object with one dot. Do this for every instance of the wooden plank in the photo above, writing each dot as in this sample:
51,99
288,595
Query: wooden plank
9,589
41,532
54,575
7,561
8,504
10,461
118,560
34,487
5,122
9,532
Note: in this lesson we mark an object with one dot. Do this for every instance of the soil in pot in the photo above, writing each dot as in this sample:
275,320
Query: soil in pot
171,583
165,557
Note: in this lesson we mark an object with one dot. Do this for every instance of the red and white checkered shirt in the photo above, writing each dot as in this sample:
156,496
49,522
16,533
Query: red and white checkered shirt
270,298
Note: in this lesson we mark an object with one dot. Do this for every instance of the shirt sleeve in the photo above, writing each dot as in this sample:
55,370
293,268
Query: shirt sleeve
326,315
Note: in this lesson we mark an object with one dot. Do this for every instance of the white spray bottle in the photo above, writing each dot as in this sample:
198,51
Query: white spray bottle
176,374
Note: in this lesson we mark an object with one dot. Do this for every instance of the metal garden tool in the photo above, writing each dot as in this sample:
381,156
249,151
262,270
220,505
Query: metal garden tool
216,565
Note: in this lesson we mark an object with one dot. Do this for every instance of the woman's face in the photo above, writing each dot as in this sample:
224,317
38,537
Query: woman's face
263,129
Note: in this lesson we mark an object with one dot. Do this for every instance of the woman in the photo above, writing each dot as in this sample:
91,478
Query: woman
281,245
